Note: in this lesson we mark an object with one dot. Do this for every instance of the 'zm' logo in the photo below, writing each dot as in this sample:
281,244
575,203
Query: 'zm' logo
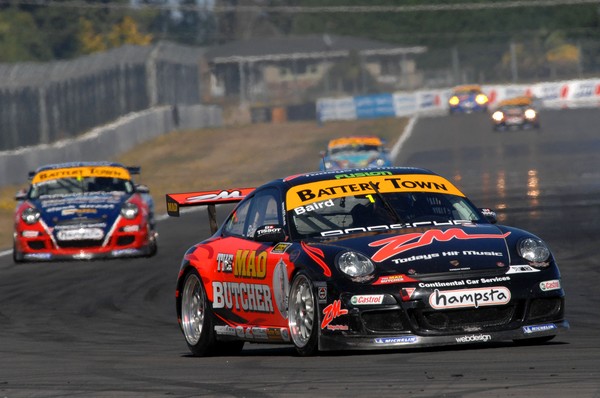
331,312
396,245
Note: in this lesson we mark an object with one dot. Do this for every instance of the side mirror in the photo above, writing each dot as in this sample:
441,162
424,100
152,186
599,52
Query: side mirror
322,153
141,188
21,195
490,215
269,233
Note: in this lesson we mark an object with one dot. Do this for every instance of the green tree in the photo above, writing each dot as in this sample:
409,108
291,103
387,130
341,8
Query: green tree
20,38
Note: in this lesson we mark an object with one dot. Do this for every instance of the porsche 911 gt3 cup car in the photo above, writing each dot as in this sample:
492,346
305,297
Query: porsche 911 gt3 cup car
467,99
83,210
355,152
381,258
515,113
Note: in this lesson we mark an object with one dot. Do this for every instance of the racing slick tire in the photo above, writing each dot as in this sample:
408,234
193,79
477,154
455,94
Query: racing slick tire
197,320
17,256
303,316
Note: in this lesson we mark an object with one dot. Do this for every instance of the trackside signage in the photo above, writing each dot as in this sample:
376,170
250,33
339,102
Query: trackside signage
302,195
81,172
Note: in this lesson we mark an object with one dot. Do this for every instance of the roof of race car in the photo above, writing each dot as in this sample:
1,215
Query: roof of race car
358,140
100,165
467,87
298,179
77,164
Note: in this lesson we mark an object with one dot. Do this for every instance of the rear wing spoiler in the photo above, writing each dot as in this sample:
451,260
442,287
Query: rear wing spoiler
175,201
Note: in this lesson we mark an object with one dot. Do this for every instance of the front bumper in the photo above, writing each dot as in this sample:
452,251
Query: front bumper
409,340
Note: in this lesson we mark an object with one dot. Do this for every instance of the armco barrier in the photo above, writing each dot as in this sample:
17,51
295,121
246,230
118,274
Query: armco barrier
564,94
104,142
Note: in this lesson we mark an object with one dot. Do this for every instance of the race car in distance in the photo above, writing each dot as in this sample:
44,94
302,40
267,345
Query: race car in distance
515,113
381,258
355,152
83,211
467,99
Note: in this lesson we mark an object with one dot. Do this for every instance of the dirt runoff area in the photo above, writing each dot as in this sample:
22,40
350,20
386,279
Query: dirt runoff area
224,157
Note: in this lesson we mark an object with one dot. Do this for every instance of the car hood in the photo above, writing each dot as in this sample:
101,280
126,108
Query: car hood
99,208
418,251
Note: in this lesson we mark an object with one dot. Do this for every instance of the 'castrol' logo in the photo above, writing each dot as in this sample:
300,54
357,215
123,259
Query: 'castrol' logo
370,299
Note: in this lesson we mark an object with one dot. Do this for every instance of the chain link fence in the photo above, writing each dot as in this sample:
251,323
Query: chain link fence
46,102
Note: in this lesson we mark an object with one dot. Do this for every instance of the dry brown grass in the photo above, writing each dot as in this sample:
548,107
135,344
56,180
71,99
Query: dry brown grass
225,157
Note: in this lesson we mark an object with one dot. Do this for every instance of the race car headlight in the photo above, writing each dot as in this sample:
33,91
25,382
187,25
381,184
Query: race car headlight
530,114
30,215
453,100
498,116
129,211
535,251
481,99
355,264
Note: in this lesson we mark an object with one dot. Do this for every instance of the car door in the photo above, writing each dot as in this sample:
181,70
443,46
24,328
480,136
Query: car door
253,277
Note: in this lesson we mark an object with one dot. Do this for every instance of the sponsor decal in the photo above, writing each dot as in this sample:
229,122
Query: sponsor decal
396,340
322,294
78,211
268,229
399,244
388,279
367,299
475,298
337,327
539,328
550,285
280,248
131,228
363,174
248,264
225,330
304,194
248,297
41,256
219,195
80,234
124,252
391,227
81,172
464,282
331,312
281,287
521,269
313,207
406,293
30,234
474,338
225,262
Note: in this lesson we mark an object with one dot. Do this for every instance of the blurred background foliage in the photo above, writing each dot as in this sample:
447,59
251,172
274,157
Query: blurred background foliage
38,30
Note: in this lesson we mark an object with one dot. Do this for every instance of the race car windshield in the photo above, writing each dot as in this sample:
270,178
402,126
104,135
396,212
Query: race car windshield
66,186
360,212
354,148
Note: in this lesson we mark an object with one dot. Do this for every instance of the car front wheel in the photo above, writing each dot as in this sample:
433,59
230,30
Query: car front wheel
303,315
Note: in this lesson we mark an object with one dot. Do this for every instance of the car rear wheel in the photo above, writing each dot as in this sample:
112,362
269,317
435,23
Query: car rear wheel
302,315
196,317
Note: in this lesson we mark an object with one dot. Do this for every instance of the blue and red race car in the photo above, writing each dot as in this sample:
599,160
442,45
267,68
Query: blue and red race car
84,210
355,152
381,258
467,99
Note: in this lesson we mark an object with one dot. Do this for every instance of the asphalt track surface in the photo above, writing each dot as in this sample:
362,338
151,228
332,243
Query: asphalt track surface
108,328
